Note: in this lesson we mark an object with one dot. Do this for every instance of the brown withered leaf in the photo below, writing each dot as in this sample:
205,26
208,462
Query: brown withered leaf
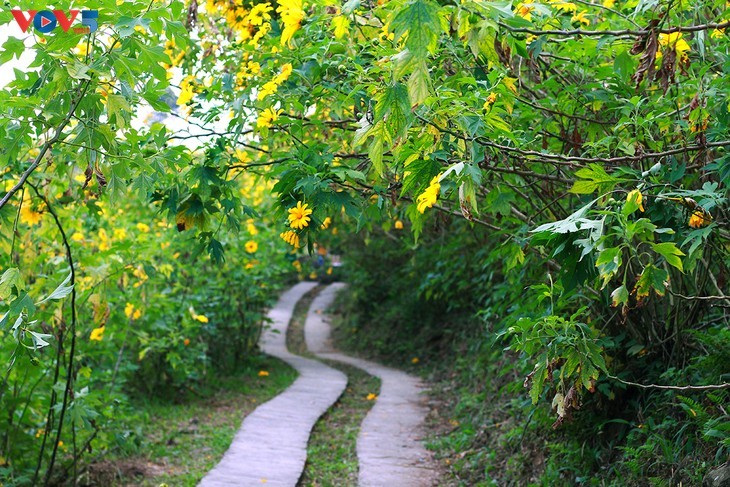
88,174
665,75
646,63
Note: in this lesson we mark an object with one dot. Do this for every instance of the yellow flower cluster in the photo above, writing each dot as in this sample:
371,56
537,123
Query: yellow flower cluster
270,87
428,198
299,216
290,237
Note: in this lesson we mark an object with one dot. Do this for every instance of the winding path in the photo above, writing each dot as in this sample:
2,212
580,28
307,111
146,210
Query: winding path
389,446
271,446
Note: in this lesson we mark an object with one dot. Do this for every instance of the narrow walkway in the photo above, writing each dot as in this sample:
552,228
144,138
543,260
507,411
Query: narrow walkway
271,446
389,448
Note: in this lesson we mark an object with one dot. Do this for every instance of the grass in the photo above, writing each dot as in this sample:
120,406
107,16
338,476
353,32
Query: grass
332,449
182,441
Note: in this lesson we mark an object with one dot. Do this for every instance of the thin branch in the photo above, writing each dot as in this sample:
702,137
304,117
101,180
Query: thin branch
713,387
614,33
56,137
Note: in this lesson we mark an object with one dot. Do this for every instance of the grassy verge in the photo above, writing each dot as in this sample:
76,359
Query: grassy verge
183,440
332,452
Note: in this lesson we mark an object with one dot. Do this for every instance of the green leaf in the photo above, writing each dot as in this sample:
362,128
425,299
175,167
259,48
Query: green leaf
594,177
118,109
608,263
620,296
10,278
419,21
350,6
654,278
13,47
419,85
670,252
63,290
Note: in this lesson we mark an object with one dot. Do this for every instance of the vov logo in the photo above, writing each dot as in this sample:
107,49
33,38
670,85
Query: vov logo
45,21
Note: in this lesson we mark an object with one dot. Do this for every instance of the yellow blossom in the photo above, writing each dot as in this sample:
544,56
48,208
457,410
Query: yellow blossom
186,91
299,215
581,18
636,196
371,397
699,219
489,101
263,373
97,334
291,238
428,198
415,360
609,3
398,225
131,312
269,88
524,11
326,223
329,271
251,247
77,237
674,40
196,316
267,118
27,214
564,6
284,74
292,14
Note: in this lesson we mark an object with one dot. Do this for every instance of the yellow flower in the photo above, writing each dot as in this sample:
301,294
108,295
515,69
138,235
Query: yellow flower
398,225
524,11
490,100
428,198
251,246
186,91
580,17
699,219
292,15
291,238
259,13
609,3
97,334
131,312
371,397
27,214
143,227
329,271
299,216
674,40
313,275
564,6
201,318
415,360
297,265
263,373
636,196
326,223
267,117
77,237
269,88
286,71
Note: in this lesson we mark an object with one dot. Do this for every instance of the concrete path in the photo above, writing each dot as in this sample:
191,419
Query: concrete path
271,446
389,447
